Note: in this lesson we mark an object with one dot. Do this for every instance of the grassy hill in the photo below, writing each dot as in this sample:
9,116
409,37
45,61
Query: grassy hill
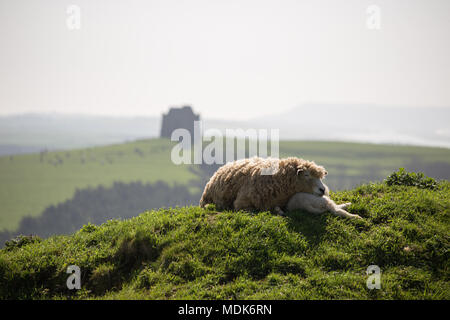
192,253
31,183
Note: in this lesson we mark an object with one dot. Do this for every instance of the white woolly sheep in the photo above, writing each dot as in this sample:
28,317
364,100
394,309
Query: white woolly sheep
243,184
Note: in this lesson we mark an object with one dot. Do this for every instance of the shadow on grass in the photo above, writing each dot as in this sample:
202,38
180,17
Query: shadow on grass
312,226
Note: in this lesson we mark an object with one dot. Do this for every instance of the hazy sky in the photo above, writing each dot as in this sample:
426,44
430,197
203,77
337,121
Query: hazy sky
231,59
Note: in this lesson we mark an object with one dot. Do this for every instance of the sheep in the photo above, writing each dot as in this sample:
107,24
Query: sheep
314,204
245,185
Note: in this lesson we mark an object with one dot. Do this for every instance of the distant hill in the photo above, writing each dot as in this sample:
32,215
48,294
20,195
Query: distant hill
425,126
59,131
30,183
8,150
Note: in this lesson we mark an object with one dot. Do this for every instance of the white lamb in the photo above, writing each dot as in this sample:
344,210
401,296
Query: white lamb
316,204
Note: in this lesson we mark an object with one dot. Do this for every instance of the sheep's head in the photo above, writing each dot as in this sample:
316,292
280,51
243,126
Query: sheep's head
309,179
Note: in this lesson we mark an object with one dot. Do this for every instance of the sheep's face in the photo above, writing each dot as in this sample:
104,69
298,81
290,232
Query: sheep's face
306,182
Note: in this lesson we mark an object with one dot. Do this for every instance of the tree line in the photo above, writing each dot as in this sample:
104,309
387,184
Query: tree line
97,205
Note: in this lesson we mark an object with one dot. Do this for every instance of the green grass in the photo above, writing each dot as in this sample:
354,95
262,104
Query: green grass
192,253
28,186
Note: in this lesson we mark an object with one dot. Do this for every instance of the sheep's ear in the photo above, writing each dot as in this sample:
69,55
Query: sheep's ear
302,171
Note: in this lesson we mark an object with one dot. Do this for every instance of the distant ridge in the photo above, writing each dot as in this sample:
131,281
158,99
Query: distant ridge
61,131
364,123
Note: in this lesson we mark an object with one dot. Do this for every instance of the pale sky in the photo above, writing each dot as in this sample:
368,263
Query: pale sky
228,59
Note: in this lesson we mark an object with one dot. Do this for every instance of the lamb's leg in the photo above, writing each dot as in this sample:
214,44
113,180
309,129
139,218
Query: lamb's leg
344,205
341,212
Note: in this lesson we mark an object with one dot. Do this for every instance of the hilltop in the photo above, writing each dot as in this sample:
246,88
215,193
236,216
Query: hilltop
192,253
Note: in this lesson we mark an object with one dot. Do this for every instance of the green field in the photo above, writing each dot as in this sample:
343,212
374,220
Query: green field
350,164
30,183
193,253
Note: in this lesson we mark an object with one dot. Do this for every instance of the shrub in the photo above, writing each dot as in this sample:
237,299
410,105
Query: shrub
404,178
21,241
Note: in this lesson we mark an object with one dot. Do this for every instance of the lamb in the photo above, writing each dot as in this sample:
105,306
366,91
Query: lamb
245,185
314,204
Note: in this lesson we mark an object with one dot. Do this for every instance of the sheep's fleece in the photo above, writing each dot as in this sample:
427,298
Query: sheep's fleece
241,185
